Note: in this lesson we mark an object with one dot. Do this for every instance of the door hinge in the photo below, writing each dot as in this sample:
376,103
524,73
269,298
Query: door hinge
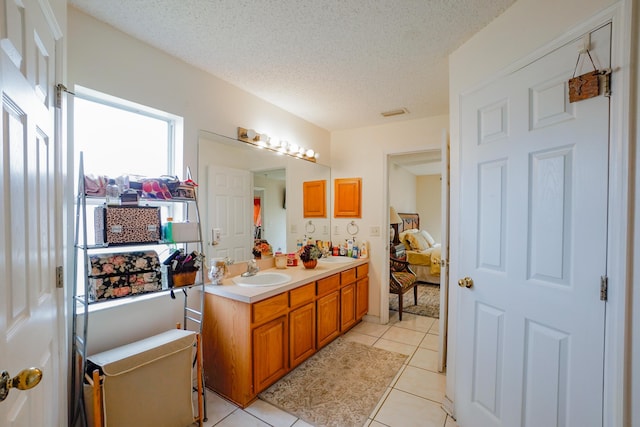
59,89
604,288
59,277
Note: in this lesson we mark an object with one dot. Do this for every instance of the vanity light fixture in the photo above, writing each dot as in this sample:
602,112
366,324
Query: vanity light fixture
262,140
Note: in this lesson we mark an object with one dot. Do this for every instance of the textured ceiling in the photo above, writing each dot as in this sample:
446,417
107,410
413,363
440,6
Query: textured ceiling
335,63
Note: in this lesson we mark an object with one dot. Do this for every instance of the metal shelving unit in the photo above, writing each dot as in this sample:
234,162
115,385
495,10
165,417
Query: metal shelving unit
83,247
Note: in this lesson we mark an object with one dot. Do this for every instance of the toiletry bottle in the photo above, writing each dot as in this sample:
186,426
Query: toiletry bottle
167,230
112,193
364,251
349,248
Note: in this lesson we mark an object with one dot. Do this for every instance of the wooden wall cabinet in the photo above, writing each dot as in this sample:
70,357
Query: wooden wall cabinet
347,198
314,199
248,347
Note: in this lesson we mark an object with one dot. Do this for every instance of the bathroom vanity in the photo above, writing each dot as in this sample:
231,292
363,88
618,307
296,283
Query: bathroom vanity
254,334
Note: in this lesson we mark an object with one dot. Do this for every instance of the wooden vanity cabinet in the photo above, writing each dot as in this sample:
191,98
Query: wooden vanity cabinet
328,309
302,324
347,299
247,347
270,354
362,291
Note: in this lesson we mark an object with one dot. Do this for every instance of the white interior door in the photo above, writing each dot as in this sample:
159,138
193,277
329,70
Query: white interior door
230,209
534,171
29,220
444,255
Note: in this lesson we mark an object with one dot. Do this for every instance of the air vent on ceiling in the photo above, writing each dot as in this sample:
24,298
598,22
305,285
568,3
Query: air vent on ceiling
398,112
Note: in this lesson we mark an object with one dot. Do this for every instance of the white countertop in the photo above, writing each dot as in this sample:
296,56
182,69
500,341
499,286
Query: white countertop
299,276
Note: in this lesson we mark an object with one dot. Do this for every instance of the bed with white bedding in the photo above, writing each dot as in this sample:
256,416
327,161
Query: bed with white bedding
423,253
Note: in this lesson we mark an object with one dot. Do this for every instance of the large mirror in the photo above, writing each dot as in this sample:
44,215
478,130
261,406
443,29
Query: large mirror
251,199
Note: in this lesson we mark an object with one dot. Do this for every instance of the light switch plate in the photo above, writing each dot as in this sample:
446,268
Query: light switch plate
294,229
374,231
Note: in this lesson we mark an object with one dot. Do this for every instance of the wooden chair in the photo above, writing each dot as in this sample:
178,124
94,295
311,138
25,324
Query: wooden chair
401,278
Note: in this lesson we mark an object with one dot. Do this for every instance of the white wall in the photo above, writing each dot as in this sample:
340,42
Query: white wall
402,189
109,61
429,204
523,29
363,153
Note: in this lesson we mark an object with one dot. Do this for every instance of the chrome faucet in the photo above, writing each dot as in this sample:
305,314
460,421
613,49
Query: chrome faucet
252,268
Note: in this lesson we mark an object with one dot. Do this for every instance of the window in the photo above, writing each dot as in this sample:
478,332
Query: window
118,137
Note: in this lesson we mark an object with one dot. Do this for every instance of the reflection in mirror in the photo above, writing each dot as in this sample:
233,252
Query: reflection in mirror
247,193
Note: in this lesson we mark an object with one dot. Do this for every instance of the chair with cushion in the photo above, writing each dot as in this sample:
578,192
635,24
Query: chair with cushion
401,278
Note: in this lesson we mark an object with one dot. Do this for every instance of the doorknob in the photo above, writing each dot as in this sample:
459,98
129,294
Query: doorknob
25,380
467,282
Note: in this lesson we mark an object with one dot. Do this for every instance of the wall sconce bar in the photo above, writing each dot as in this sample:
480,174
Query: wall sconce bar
262,140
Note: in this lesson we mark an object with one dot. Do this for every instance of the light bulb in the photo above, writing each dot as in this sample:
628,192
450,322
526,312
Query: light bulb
310,152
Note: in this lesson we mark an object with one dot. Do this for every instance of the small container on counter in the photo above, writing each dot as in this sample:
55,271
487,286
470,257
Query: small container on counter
292,260
281,260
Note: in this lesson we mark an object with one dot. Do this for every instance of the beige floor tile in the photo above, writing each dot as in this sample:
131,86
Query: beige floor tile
301,423
407,410
271,414
431,342
368,328
398,347
217,408
425,359
450,422
240,418
435,328
384,396
404,336
416,323
374,423
423,383
361,338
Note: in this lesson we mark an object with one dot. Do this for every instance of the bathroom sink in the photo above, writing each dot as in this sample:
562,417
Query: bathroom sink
262,279
337,259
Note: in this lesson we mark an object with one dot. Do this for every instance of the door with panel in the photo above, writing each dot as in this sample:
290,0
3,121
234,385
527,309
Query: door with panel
30,156
229,202
534,172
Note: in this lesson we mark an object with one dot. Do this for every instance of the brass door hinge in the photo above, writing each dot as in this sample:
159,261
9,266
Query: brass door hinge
59,277
604,288
59,89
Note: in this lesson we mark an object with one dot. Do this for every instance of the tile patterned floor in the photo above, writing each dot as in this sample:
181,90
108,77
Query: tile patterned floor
413,399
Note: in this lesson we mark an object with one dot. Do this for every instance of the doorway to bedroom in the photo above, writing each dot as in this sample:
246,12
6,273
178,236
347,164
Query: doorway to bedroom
415,216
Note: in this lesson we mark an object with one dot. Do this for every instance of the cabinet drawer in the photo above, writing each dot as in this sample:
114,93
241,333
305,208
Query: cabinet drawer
328,284
270,308
302,295
362,271
348,276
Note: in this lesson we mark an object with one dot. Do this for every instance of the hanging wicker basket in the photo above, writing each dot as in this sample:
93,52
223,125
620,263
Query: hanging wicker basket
186,278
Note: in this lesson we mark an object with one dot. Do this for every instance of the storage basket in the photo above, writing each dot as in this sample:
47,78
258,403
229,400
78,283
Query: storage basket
184,279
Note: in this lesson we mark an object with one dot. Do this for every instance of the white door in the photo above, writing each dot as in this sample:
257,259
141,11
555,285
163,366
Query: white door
444,255
29,335
530,344
230,209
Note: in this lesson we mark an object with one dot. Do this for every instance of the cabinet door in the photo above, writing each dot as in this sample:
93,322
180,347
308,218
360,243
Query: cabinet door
314,197
362,297
347,306
302,333
328,315
347,193
269,353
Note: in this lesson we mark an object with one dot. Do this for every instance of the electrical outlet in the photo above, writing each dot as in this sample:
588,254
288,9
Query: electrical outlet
294,229
374,231
336,230
325,229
